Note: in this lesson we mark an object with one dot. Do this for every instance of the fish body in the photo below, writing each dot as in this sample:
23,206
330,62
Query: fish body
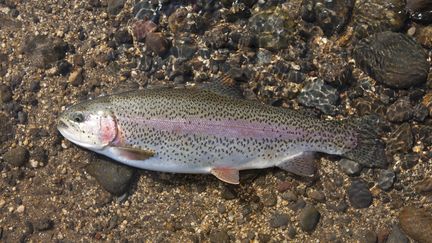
199,131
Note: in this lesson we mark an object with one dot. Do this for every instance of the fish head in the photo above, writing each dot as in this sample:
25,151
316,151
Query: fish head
90,124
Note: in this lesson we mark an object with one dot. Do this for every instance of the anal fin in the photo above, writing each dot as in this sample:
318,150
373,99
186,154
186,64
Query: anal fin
227,175
131,153
302,164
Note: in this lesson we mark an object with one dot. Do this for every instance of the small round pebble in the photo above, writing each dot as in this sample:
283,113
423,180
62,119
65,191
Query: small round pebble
386,179
317,196
20,209
350,167
269,199
17,156
279,220
309,218
416,223
397,236
359,194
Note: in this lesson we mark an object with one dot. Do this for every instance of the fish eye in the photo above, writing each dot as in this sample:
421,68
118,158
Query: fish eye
78,117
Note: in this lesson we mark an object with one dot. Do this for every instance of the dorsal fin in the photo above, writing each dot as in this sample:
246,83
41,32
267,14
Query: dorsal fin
223,85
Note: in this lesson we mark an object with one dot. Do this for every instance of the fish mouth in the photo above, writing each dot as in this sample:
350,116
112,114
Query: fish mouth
61,124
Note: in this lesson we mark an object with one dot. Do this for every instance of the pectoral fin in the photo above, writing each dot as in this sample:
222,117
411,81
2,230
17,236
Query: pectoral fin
302,164
131,153
227,175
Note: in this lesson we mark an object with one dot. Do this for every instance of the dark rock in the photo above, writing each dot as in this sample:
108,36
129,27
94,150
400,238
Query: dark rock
386,179
219,236
424,186
420,10
269,199
113,177
289,196
64,67
359,194
374,16
35,86
416,223
229,193
141,28
420,113
309,218
17,156
157,43
319,95
331,16
409,160
78,60
184,49
350,167
299,204
43,224
22,117
4,62
401,140
115,6
123,37
44,51
368,236
367,106
39,154
5,93
183,20
397,236
393,59
279,220
424,134
292,232
6,128
400,111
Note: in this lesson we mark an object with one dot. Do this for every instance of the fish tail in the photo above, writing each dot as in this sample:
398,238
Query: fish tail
369,150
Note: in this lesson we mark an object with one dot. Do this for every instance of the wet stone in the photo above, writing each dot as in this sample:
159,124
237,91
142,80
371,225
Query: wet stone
141,28
400,111
331,16
269,199
291,232
420,112
115,6
409,160
359,194
279,220
229,193
43,224
394,59
386,179
113,177
416,223
157,43
317,196
17,156
350,167
289,196
319,95
401,140
309,218
397,236
5,93
420,10
123,37
44,51
368,236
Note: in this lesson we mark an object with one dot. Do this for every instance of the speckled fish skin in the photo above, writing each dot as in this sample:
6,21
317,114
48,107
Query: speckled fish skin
195,131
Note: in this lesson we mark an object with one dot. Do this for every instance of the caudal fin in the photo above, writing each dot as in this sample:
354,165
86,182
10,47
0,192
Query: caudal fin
370,149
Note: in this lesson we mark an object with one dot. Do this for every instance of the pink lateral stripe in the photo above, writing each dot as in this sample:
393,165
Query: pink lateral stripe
224,128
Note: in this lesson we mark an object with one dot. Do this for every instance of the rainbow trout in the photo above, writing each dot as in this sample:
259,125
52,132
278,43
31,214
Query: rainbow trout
200,131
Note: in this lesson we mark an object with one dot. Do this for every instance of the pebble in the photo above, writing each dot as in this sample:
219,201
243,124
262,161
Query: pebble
397,236
44,51
416,223
359,194
393,59
141,28
123,37
319,95
289,196
386,179
368,236
400,111
283,186
43,224
64,67
115,6
350,167
420,10
292,232
76,78
157,43
269,199
219,236
20,209
424,186
309,218
409,160
113,177
318,196
5,93
279,220
17,156
401,140
228,192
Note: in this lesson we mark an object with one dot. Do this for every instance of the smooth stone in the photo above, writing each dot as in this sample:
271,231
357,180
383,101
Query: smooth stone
309,218
350,167
397,236
359,194
317,196
319,95
416,223
279,220
400,111
386,179
393,59
112,176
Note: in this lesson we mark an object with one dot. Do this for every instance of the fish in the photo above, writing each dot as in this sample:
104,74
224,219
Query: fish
213,131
